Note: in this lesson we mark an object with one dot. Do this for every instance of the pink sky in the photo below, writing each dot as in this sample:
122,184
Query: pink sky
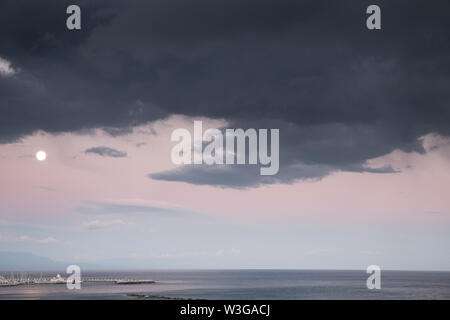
414,195
44,196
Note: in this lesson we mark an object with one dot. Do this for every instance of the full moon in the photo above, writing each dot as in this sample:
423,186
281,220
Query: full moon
41,155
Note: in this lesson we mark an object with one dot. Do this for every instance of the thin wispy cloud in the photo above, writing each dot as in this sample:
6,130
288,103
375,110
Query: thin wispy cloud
433,212
46,240
106,152
101,224
46,188
92,207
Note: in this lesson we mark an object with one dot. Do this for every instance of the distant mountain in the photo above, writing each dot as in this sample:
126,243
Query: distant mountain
22,261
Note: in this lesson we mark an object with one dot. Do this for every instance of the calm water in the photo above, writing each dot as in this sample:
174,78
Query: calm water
246,284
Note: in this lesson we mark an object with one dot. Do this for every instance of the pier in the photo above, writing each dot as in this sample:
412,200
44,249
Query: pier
23,280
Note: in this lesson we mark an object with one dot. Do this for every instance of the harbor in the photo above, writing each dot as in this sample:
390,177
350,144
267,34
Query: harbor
23,279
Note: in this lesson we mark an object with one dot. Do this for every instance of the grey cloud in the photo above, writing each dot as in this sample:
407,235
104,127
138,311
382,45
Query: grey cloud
246,176
46,188
106,152
100,224
239,177
91,207
306,152
433,212
339,93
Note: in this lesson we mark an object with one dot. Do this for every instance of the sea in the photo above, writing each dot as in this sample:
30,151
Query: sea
241,284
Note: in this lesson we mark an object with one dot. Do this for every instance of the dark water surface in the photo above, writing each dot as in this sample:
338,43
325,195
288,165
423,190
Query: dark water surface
244,284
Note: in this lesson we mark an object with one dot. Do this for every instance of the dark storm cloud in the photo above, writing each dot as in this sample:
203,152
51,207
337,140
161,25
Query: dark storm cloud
106,152
339,93
242,177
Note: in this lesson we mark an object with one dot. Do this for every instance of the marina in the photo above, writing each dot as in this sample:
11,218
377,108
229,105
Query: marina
23,279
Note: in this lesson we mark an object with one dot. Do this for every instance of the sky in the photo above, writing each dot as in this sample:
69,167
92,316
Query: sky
364,123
